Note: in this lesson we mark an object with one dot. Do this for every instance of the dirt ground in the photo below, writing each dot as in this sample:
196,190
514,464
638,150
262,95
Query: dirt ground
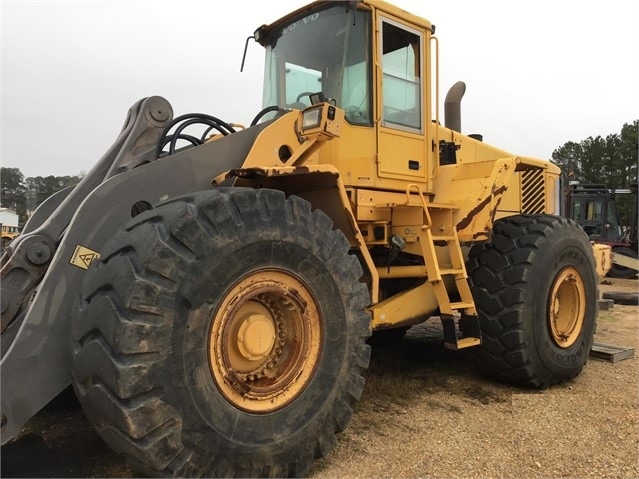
425,413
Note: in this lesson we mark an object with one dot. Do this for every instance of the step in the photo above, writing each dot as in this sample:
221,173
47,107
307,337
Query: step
463,343
471,330
449,271
462,305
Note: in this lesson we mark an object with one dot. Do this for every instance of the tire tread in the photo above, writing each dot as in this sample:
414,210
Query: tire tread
118,337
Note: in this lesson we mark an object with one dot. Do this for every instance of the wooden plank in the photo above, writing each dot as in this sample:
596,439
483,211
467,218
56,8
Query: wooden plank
606,304
611,353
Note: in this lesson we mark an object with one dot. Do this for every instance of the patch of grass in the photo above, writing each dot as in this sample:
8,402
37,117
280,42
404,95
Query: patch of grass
607,317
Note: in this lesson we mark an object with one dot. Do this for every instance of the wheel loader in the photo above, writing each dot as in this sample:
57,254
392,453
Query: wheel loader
210,295
8,235
594,207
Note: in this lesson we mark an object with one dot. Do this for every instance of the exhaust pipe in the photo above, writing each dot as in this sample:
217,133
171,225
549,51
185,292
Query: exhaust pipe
452,108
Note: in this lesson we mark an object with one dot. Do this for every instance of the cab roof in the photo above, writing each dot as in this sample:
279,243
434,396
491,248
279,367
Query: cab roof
264,32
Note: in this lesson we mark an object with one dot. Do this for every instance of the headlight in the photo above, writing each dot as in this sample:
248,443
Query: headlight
311,118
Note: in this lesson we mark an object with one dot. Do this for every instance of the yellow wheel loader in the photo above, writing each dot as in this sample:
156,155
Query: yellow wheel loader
9,233
210,295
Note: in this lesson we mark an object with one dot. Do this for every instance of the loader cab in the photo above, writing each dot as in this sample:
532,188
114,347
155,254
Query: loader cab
322,51
593,207
369,58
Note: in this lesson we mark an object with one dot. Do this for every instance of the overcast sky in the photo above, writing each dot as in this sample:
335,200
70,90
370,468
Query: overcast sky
538,73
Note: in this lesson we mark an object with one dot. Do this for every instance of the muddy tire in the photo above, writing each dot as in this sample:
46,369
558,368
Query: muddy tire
223,335
535,288
618,271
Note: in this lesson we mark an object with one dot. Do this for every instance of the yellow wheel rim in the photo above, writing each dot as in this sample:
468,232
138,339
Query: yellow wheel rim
567,307
265,341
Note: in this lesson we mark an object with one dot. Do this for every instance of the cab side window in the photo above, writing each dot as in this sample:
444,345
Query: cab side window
401,68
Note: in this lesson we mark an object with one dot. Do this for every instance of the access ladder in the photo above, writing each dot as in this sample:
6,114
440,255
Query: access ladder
438,230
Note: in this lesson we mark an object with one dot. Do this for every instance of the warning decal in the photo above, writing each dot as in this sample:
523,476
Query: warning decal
82,257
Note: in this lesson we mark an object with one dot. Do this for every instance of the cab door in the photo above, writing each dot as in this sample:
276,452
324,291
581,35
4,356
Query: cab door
400,73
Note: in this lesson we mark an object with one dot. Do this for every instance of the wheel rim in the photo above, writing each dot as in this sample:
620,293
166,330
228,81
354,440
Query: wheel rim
265,340
567,307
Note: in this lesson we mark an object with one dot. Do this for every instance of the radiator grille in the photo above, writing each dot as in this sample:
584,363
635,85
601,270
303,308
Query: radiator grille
533,192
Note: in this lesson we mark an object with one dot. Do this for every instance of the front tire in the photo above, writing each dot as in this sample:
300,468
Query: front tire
535,288
222,335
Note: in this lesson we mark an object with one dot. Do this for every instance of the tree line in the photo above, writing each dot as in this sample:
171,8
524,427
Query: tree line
24,195
610,160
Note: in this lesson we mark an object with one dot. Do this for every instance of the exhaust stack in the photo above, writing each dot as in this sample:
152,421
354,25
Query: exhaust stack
452,108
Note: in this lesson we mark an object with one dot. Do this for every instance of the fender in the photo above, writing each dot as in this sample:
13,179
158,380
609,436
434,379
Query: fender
492,190
320,185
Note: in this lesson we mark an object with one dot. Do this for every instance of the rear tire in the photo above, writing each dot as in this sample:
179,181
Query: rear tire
223,334
621,272
535,288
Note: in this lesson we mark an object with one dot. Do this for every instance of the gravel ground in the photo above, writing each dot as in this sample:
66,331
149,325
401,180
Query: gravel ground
425,413
454,423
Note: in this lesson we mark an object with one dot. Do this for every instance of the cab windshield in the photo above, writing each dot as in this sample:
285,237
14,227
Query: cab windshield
326,51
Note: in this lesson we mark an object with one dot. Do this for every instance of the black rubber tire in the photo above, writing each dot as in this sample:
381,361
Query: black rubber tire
622,297
140,339
511,279
621,272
